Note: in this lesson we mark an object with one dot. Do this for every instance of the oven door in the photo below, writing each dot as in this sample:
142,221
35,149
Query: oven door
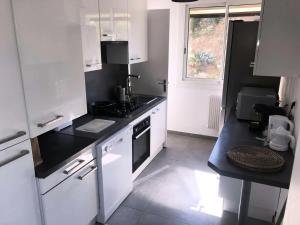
140,148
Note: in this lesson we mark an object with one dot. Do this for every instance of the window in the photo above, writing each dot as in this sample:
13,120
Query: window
205,46
206,35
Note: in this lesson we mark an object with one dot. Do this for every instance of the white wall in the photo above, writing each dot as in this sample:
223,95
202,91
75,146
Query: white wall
188,102
292,216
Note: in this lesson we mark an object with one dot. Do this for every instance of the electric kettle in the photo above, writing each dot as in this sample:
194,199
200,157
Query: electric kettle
276,121
281,139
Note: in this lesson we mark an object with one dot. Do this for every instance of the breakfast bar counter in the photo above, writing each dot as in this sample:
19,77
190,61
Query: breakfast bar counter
236,133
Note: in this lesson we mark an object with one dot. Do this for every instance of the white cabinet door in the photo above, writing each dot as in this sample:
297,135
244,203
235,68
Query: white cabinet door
74,201
19,197
114,20
90,28
158,128
278,51
50,49
137,29
13,124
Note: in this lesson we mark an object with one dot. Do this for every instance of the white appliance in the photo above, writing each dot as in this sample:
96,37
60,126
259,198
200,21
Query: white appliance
281,139
276,121
114,158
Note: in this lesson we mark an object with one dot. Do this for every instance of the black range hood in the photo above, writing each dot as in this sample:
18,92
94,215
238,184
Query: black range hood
114,52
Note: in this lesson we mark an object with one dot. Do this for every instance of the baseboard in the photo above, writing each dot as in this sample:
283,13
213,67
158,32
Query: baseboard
191,135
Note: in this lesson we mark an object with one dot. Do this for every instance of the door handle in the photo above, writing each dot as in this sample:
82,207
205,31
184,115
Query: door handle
48,123
164,83
10,138
73,167
137,137
14,158
93,168
252,64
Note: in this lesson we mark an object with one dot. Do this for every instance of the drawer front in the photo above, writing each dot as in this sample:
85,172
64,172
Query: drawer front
75,200
66,171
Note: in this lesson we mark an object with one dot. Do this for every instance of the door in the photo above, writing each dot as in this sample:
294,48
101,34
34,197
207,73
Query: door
19,198
114,20
50,49
13,124
137,25
90,28
75,200
158,128
154,73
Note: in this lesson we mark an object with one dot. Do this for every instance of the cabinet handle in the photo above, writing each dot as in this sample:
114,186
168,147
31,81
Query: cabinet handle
93,168
48,123
252,64
10,138
73,167
14,158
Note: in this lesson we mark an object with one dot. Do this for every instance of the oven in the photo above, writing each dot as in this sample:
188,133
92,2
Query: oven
140,143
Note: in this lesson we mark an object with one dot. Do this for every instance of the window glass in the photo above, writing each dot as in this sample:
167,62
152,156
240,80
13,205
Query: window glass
205,42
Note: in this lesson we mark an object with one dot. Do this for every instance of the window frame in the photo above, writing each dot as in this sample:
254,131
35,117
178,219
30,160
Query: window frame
207,81
185,78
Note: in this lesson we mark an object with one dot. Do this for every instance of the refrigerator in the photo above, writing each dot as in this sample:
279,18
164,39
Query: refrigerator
240,55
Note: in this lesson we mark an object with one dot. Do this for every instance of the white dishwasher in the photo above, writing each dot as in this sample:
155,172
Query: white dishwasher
114,158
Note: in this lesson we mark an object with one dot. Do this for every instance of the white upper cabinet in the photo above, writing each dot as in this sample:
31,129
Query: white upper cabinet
13,124
50,49
138,28
90,28
278,50
114,20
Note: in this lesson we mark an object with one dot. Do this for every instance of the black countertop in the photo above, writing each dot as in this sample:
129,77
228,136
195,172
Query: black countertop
60,148
236,133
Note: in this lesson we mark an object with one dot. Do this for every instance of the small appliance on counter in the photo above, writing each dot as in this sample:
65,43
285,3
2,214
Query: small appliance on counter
280,136
250,96
281,139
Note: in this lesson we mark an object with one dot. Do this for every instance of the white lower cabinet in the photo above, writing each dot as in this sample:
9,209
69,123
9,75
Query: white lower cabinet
74,201
158,128
19,198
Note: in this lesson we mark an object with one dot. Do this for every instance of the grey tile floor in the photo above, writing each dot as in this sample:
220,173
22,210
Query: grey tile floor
177,188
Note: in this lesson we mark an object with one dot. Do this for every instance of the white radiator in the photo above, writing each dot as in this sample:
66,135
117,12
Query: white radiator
214,112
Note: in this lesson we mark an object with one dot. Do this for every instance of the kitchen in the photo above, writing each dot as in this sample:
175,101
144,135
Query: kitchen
88,96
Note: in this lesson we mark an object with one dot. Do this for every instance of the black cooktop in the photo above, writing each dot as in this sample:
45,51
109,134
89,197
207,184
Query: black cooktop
114,109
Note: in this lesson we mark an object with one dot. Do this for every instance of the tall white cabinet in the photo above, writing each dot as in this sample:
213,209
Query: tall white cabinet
50,49
13,125
18,191
278,49
90,29
138,31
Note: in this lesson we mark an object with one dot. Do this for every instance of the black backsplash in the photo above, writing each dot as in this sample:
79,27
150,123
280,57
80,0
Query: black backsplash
101,84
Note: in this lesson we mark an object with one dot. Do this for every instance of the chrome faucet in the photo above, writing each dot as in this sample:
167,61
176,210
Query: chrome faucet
129,84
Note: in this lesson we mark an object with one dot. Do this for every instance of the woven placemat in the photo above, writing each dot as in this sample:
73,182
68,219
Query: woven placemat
257,159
